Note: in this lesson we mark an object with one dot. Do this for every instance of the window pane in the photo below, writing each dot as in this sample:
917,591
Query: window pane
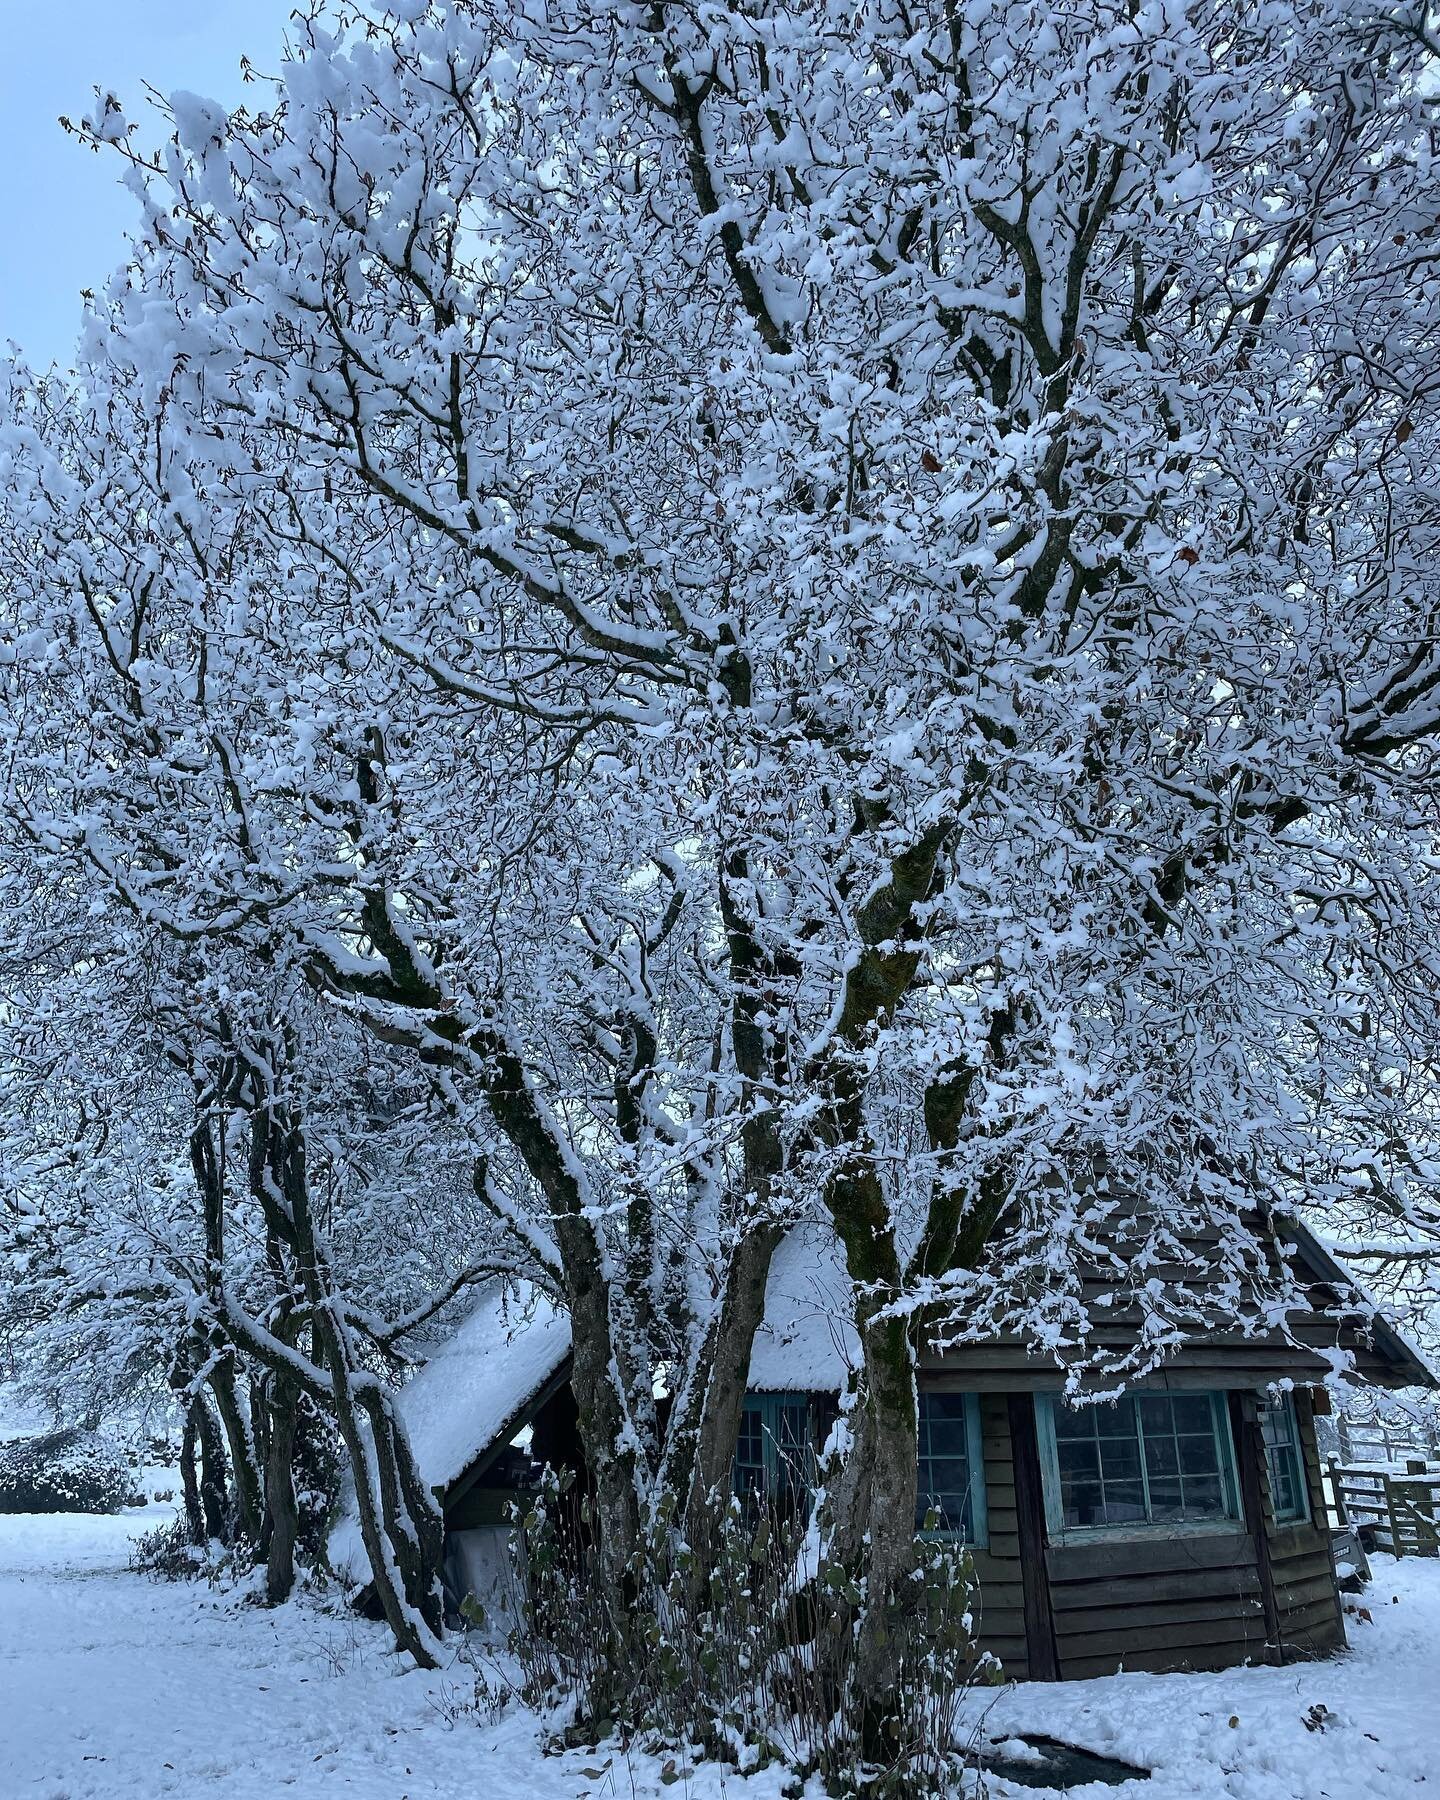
1079,1461
1120,1459
1204,1499
1124,1502
1193,1412
945,1476
1282,1459
1077,1426
1284,1484
1156,1458
1082,1503
1198,1456
1165,1502
1115,1420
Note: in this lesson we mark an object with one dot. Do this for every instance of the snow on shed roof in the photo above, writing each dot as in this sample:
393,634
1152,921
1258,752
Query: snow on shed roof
807,1342
482,1379
481,1383
477,1388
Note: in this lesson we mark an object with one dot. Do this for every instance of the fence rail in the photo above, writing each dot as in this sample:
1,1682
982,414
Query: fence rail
1381,1440
1401,1511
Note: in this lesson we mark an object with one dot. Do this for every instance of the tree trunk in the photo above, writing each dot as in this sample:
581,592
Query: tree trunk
874,1509
282,1515
400,1521
721,1377
213,1497
248,1511
190,1481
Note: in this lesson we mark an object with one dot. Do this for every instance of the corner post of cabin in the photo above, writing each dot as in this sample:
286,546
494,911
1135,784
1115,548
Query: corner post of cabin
1250,1454
1042,1653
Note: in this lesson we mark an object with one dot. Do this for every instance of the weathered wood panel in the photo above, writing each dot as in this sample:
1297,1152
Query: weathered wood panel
1006,1367
1191,1600
1125,1588
1307,1594
1137,1614
1247,1635
1222,1655
1177,1552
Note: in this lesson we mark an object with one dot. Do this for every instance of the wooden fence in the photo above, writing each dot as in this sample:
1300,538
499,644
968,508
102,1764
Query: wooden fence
1385,1440
1400,1509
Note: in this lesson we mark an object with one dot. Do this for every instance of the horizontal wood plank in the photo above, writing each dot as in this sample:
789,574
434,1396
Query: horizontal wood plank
1189,1584
1244,1635
1132,1556
1148,1614
1225,1655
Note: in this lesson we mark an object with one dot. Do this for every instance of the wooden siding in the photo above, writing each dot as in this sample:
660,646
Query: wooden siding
1147,1602
1302,1556
1192,1600
1008,1367
997,1567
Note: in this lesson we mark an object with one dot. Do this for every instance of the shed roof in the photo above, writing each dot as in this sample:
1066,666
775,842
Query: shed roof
482,1382
807,1342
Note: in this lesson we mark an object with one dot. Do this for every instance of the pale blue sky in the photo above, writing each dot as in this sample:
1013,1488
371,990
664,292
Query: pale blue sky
63,215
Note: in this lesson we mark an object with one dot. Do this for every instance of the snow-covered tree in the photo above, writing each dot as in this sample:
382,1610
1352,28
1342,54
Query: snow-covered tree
817,607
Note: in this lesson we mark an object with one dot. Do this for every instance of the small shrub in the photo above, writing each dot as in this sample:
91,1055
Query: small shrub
64,1471
752,1659
166,1553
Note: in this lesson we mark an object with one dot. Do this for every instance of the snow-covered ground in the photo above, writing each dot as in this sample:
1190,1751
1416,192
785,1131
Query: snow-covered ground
114,1685
1257,1734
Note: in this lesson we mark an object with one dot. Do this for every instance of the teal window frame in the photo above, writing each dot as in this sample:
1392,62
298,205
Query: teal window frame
775,1437
1284,1460
945,1416
1147,1470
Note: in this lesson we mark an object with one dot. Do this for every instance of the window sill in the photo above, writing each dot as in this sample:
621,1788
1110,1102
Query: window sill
1073,1536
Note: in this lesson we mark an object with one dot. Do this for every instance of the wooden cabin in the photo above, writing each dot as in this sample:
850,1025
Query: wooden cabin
1180,1527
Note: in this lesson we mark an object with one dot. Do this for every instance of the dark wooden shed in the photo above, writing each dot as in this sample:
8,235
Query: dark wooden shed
1182,1526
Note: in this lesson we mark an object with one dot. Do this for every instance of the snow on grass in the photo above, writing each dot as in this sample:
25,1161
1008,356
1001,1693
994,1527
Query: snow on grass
1254,1734
114,1687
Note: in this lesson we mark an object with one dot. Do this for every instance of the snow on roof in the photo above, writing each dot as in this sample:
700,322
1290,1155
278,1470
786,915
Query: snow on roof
480,1379
475,1384
807,1342
1403,1352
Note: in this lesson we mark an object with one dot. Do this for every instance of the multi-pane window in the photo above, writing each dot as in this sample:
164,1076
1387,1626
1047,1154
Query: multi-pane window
1147,1459
774,1457
950,1484
1283,1461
